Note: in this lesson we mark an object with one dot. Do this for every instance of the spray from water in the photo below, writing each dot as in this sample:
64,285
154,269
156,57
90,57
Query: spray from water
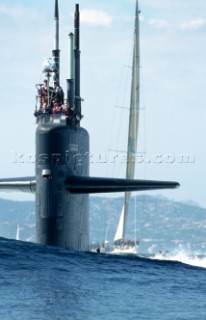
193,258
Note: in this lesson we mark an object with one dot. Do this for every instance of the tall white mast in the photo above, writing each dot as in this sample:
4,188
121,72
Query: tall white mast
133,126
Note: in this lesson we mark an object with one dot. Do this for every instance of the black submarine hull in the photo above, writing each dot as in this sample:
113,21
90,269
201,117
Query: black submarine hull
62,218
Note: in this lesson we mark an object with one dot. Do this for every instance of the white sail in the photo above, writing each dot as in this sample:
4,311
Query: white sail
119,231
133,127
18,233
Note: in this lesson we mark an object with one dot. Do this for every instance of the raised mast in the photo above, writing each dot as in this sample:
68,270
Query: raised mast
56,51
133,126
77,62
56,26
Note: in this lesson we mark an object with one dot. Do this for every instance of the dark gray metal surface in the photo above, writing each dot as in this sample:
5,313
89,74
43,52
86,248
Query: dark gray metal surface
76,184
61,217
21,184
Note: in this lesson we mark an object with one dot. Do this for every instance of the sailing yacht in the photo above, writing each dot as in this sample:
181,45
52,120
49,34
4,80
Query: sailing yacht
121,244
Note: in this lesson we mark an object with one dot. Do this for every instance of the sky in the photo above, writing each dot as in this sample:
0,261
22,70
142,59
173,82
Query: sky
172,86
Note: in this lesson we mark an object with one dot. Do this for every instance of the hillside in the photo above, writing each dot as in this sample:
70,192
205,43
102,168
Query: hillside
160,223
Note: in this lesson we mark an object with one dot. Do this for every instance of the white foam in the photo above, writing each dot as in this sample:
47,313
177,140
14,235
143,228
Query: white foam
196,259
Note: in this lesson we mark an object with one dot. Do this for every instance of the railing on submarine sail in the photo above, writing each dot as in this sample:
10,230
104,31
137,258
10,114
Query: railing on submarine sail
57,118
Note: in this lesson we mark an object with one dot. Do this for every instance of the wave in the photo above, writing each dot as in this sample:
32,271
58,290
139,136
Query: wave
27,255
196,259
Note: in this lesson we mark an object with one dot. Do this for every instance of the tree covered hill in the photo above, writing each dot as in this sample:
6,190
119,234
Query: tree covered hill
158,222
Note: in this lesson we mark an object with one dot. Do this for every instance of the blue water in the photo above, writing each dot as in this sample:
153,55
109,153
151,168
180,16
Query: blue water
38,282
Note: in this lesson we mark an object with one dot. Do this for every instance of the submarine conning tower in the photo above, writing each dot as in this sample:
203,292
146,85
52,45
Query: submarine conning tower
61,217
62,150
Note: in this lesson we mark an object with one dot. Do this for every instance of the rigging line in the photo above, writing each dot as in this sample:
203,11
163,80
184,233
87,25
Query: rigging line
120,126
122,113
128,81
135,216
121,116
144,119
115,119
114,116
124,151
118,94
129,108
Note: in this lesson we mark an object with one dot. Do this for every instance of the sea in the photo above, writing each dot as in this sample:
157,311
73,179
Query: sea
43,283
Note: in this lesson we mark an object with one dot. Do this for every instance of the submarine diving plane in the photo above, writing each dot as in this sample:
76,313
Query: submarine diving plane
62,183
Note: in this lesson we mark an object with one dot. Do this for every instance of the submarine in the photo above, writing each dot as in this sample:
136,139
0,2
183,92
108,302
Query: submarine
62,183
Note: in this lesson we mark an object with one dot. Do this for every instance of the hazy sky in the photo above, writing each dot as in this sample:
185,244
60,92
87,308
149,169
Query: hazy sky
173,85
